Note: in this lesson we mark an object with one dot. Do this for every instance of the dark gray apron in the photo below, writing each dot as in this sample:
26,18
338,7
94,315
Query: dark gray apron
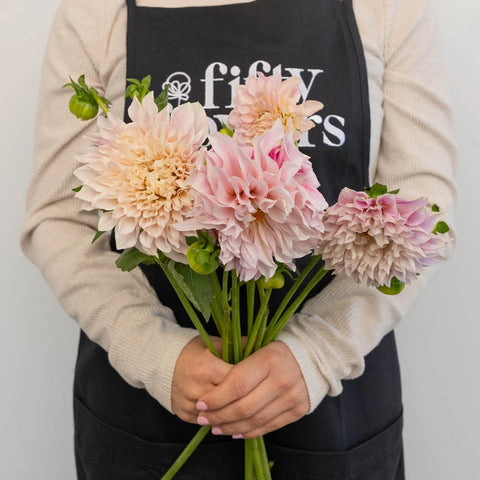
202,53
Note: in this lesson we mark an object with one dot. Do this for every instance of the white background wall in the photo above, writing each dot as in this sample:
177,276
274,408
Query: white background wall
438,341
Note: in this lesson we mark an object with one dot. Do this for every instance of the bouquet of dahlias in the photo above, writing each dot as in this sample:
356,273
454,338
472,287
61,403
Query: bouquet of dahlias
236,215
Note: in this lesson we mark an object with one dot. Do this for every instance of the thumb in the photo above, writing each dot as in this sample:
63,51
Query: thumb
240,380
218,369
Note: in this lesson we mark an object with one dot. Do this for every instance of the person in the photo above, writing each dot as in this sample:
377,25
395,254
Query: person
327,393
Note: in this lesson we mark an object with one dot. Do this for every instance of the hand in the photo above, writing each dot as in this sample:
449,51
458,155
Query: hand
262,393
197,372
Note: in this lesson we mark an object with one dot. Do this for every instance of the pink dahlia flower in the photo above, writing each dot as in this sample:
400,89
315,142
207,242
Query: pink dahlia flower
261,202
263,100
375,239
139,172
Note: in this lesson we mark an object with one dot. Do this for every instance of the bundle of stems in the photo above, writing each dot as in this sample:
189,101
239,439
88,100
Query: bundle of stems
262,328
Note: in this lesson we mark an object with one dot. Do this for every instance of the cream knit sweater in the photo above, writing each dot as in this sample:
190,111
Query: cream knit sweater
411,149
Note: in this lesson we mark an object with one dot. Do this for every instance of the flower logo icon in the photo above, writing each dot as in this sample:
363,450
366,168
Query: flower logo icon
179,86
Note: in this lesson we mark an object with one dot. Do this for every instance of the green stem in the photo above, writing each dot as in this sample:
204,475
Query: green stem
225,285
258,322
226,343
189,309
236,326
185,455
257,460
221,297
100,102
264,458
221,301
217,316
227,340
263,322
249,475
250,305
293,289
280,324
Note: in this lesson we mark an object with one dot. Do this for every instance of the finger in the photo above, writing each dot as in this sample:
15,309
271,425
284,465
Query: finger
200,373
217,370
240,381
185,410
260,419
275,406
243,408
278,422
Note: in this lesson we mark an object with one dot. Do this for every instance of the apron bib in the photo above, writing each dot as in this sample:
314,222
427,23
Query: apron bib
202,53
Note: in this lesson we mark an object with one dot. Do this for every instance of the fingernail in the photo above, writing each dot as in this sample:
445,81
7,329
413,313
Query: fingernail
238,436
202,406
217,431
203,421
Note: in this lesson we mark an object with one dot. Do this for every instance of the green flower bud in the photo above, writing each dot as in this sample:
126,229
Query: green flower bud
275,282
396,286
441,227
82,107
202,255
86,100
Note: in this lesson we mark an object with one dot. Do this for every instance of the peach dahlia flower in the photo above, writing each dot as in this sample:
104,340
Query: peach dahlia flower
263,100
138,172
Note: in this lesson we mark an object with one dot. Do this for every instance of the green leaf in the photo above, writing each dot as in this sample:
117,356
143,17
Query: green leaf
105,101
138,88
76,87
132,258
134,81
225,130
81,81
441,227
376,190
162,100
130,91
77,189
191,240
396,286
198,288
394,192
146,81
435,208
97,236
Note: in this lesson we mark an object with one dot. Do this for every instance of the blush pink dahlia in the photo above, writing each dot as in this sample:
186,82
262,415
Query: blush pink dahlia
375,239
139,172
263,100
261,202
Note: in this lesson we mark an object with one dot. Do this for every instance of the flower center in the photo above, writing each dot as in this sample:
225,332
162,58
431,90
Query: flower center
259,216
162,183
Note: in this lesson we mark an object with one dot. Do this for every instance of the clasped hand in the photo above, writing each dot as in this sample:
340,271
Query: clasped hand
262,393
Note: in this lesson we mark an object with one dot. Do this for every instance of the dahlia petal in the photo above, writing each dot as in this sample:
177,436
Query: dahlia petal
140,172
374,240
310,107
106,222
125,240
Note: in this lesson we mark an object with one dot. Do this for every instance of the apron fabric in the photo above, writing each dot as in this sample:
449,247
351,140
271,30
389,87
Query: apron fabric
202,52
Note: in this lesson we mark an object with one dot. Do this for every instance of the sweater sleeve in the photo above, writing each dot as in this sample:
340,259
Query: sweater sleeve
342,324
117,310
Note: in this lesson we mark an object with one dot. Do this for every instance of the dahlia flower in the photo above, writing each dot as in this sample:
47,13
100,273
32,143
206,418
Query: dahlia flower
263,100
138,172
375,239
261,202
